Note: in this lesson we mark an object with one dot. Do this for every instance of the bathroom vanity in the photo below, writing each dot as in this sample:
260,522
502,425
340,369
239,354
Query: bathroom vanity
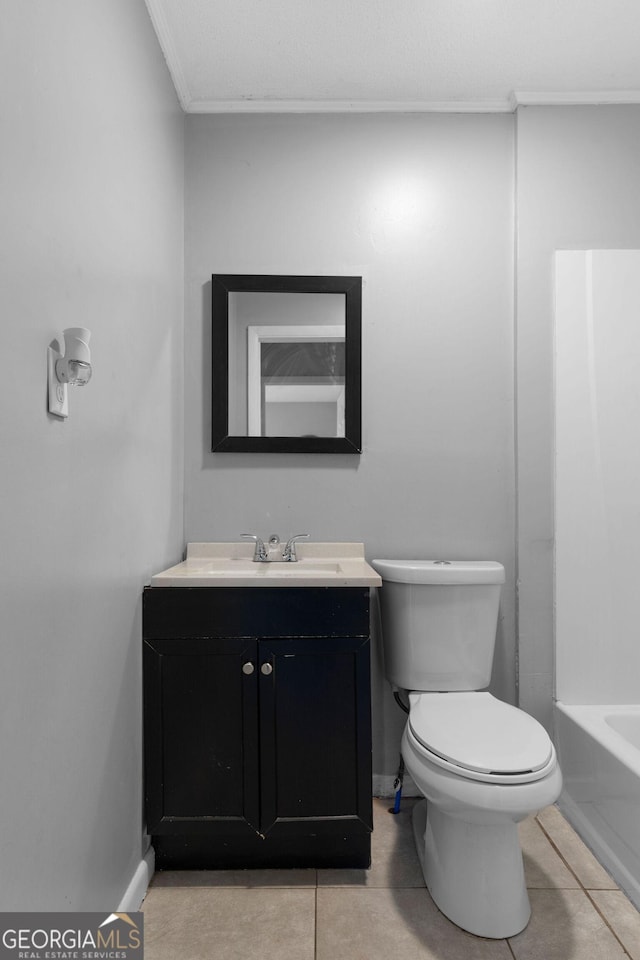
257,709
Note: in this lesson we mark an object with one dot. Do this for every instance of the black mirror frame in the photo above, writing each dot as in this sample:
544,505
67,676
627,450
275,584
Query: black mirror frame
222,284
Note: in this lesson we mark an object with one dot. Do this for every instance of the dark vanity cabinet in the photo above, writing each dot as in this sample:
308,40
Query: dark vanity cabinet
257,723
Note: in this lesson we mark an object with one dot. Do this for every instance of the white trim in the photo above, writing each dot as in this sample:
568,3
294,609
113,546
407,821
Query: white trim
165,38
137,889
348,106
521,98
256,335
518,98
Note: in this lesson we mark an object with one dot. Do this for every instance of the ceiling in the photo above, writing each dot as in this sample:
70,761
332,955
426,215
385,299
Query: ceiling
368,55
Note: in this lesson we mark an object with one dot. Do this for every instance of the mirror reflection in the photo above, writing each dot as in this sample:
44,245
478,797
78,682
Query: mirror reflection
286,364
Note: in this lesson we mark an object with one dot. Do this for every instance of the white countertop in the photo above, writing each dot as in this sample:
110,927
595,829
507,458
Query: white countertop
232,565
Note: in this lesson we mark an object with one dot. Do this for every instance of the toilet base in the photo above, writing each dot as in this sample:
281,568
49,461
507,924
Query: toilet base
473,871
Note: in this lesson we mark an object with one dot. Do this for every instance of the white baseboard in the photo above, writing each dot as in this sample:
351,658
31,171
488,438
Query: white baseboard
137,889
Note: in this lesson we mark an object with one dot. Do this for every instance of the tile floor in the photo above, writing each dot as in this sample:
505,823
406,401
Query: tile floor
578,912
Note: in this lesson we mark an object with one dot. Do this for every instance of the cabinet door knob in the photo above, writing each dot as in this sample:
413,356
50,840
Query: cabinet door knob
266,668
248,668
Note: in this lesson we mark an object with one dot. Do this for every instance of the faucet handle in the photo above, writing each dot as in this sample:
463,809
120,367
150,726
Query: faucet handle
289,552
260,553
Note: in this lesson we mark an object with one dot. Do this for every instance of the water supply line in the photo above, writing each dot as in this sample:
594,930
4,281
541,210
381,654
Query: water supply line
397,786
397,783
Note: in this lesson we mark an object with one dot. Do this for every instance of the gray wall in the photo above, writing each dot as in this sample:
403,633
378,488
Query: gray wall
578,187
421,207
91,235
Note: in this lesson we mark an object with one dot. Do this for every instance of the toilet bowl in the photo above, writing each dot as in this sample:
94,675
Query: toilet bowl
481,764
466,830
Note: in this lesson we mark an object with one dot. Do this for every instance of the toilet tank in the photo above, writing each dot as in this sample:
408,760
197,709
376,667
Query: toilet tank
439,621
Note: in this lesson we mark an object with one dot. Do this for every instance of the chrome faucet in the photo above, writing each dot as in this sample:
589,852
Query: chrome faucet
289,552
260,553
263,554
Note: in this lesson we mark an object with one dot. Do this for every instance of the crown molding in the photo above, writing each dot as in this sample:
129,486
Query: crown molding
348,106
520,98
159,21
515,100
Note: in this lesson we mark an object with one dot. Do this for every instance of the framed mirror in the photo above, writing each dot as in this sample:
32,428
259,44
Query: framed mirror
286,370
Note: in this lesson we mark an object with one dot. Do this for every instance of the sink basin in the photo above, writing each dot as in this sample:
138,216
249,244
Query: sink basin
231,564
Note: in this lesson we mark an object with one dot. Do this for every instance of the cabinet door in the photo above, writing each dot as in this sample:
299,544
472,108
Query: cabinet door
315,724
201,736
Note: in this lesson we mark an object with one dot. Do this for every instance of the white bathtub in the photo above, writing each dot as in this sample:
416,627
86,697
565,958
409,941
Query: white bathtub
599,750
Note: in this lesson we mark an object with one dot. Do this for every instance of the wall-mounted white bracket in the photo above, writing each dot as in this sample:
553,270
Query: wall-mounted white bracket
58,403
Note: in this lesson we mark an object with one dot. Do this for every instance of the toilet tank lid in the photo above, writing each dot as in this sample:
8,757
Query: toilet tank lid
440,571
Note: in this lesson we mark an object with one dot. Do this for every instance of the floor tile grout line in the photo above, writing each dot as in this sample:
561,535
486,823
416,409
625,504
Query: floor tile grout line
562,857
508,943
585,890
315,924
605,921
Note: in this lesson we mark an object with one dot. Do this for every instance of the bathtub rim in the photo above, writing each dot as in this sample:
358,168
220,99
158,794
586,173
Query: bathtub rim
592,718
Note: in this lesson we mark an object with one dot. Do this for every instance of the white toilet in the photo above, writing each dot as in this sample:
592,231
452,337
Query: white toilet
481,764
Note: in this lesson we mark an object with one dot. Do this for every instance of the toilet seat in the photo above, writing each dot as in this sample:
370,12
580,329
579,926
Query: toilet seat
476,736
